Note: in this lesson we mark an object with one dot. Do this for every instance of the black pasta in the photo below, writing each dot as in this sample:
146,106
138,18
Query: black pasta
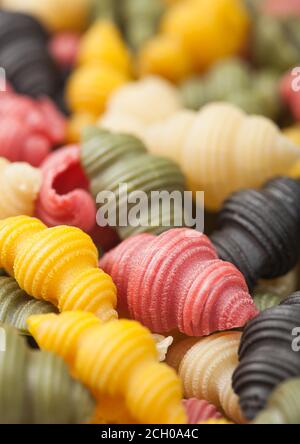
259,230
24,55
266,355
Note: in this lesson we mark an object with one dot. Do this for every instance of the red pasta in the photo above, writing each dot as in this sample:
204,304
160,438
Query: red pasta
199,410
29,128
290,92
176,281
64,198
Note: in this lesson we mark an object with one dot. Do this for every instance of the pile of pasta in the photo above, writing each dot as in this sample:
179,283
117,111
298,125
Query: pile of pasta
110,322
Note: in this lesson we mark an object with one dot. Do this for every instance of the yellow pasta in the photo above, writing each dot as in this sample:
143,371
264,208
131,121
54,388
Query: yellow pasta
205,367
118,362
57,15
102,43
19,184
58,265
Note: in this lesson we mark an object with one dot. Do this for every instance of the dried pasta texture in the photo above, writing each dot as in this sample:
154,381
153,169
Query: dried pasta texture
19,184
113,162
58,265
221,149
16,306
205,367
64,198
176,281
118,362
266,355
260,246
36,387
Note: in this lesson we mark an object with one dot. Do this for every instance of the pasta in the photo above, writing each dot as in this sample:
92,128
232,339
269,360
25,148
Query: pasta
110,160
139,100
199,411
118,361
57,15
36,388
16,306
233,81
283,406
176,281
29,128
274,47
266,355
64,198
200,28
259,246
104,66
226,150
19,184
24,55
58,265
205,367
269,293
141,19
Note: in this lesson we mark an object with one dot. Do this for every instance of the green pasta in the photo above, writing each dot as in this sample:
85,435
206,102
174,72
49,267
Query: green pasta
141,19
267,300
113,159
36,387
16,306
283,406
233,81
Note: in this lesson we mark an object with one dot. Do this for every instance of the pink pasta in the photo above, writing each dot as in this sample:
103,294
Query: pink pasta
64,198
29,128
199,410
176,281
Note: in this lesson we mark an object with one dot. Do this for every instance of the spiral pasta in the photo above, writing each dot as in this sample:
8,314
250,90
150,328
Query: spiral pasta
283,406
36,388
19,184
175,281
266,355
205,367
261,247
64,198
111,161
198,410
58,265
16,306
118,362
